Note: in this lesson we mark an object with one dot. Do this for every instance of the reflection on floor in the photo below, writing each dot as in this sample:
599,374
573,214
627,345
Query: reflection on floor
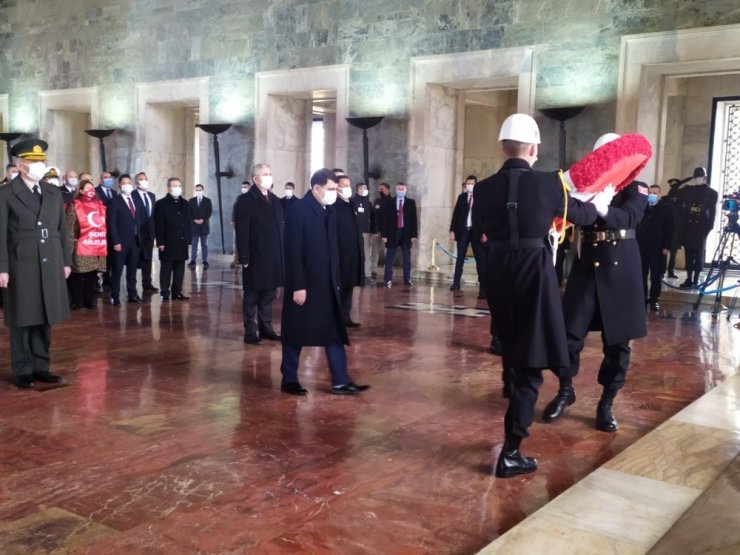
171,435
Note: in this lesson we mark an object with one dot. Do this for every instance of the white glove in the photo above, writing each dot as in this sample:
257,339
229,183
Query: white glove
603,199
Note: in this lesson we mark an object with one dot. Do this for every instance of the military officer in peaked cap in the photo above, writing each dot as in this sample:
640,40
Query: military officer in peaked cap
35,260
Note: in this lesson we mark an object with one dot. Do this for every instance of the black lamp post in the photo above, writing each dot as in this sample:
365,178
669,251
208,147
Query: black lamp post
8,137
562,115
215,129
365,124
100,134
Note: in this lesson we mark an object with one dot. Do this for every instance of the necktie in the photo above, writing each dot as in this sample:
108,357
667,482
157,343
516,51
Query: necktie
107,192
198,202
131,207
399,221
145,198
36,190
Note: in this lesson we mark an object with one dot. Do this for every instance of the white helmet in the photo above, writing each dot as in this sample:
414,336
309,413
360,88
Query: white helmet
520,127
605,138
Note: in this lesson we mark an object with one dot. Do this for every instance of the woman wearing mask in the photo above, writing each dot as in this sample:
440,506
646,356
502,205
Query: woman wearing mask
87,234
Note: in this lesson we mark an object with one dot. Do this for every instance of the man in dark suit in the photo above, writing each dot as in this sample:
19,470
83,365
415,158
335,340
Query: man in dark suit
125,217
461,231
11,172
654,237
400,230
698,203
366,223
35,260
172,230
289,199
514,210
351,255
604,293
106,193
200,210
146,232
258,223
312,313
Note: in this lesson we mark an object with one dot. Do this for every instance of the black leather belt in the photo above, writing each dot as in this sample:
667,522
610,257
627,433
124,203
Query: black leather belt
608,235
524,243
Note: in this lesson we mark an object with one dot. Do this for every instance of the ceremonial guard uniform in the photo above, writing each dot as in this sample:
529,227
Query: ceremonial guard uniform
604,293
698,209
515,209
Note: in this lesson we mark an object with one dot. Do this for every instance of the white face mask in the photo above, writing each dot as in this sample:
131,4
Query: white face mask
73,182
245,189
266,182
13,175
176,191
143,184
329,198
346,192
127,189
36,171
469,188
288,193
363,193
199,194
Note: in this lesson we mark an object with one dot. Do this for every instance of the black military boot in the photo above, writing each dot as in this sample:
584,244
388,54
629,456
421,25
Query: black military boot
556,408
511,462
605,421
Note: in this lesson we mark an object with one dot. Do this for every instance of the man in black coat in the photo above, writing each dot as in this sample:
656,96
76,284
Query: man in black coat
461,231
698,208
381,204
366,223
125,217
401,229
312,313
106,193
604,293
514,210
172,230
259,223
654,237
289,199
351,255
146,231
200,210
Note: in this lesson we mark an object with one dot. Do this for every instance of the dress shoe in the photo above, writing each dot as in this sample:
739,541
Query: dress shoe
294,388
24,382
454,287
351,324
205,265
91,305
495,348
180,297
389,284
136,300
556,408
46,377
512,463
672,275
74,306
271,335
369,281
115,302
151,290
348,389
688,284
654,307
165,299
605,421
407,283
252,340
191,264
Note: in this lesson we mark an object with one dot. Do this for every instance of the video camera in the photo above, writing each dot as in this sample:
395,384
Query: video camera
731,202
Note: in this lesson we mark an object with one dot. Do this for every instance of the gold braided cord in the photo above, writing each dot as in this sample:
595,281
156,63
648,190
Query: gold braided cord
564,224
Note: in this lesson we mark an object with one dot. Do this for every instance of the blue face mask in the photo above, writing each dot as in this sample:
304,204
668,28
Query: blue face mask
108,182
652,199
400,194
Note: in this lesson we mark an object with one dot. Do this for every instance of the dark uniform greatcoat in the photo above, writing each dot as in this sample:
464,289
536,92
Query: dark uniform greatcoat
611,271
34,249
698,210
312,263
172,227
351,248
521,284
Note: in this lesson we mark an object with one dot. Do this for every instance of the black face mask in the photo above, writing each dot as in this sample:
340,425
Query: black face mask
382,193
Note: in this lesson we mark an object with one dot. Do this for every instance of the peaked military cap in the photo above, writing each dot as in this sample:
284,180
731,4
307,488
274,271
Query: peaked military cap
30,149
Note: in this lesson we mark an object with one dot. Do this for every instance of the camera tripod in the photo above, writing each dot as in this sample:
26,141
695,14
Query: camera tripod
718,267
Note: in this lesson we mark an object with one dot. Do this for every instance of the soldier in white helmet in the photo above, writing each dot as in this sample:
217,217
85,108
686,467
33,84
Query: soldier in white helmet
512,215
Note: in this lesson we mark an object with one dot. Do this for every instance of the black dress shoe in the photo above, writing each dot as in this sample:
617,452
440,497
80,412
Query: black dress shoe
351,324
672,275
495,348
269,335
348,389
115,302
294,388
654,307
513,463
252,340
180,297
91,305
136,300
46,377
605,421
25,381
151,290
191,265
454,287
165,299
556,408
407,283
205,265
688,284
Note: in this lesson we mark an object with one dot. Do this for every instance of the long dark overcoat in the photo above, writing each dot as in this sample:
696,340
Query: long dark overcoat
522,287
172,227
351,248
34,249
312,263
612,271
259,227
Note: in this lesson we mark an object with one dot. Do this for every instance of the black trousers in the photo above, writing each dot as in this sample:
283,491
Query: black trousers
465,239
523,392
257,310
171,276
128,257
345,298
694,263
653,263
146,270
672,260
29,349
82,288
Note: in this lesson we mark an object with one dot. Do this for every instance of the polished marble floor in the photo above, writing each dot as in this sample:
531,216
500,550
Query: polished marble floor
171,436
